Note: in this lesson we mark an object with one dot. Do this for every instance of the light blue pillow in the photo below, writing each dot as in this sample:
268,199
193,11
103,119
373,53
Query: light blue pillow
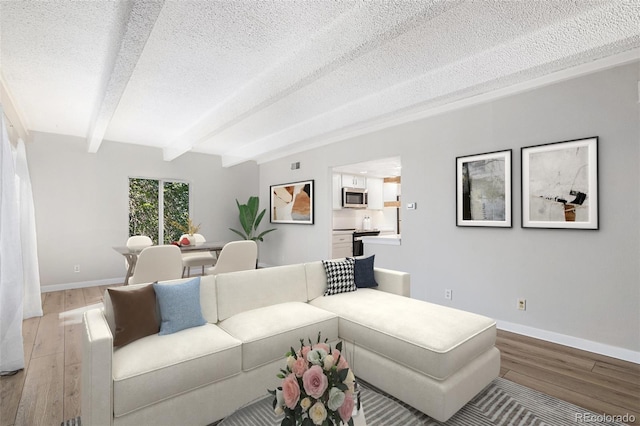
179,306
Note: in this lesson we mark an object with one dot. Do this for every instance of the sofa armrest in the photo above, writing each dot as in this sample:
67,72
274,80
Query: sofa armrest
97,382
391,281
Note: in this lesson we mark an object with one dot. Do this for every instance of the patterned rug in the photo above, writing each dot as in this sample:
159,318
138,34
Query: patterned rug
501,403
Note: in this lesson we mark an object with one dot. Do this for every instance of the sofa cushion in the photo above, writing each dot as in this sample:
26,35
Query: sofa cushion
208,300
268,286
433,339
179,305
339,276
134,313
267,333
156,367
390,281
316,279
363,272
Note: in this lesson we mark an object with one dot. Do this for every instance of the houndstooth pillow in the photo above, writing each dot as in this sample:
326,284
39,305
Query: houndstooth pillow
340,277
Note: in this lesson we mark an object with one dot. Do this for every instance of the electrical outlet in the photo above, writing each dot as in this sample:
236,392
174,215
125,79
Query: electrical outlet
448,294
76,268
522,304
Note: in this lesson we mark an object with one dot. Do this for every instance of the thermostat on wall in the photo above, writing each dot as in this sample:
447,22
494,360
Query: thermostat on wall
411,206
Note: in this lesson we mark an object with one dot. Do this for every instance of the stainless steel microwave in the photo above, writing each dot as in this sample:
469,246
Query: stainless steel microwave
354,198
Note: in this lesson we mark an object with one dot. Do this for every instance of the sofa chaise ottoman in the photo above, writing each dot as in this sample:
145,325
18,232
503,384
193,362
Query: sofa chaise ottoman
432,357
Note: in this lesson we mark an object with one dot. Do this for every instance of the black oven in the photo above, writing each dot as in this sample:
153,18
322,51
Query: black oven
358,246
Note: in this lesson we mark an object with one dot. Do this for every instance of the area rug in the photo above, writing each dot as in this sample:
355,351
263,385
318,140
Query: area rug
501,403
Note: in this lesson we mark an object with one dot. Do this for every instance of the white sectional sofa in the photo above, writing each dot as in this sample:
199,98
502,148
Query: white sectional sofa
432,357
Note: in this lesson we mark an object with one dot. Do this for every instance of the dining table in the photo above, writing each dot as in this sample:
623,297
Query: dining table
131,253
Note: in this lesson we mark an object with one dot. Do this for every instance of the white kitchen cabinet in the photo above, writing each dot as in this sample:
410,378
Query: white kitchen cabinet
337,191
375,193
342,245
390,191
354,181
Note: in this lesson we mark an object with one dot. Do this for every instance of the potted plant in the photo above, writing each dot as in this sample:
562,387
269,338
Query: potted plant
250,220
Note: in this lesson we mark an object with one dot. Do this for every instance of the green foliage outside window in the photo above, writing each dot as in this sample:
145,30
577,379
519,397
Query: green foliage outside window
144,208
176,209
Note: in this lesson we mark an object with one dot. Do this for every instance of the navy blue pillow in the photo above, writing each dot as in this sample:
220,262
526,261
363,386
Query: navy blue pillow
363,273
179,306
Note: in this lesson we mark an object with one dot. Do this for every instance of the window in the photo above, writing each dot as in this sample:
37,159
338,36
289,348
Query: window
157,208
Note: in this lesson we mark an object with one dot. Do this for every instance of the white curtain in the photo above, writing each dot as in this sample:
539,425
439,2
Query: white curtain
11,279
32,306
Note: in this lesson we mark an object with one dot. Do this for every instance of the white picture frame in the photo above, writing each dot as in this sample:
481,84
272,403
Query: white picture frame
560,185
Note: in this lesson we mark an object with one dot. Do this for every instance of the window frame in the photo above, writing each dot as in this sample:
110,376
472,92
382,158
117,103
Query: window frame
161,182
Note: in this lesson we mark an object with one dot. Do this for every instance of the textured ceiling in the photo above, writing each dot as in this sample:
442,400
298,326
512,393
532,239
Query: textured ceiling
258,79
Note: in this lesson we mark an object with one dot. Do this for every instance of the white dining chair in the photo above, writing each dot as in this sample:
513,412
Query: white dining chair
198,258
137,242
236,256
157,263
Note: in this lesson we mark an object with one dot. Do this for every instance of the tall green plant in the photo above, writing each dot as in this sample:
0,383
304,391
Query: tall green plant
250,220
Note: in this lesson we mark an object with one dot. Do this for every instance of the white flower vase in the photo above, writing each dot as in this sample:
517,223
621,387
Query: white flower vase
192,240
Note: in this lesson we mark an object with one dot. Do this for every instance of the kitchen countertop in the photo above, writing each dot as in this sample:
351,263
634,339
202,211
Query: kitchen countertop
352,230
393,240
343,231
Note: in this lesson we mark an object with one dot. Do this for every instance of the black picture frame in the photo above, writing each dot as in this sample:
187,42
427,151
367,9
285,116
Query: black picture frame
292,203
484,189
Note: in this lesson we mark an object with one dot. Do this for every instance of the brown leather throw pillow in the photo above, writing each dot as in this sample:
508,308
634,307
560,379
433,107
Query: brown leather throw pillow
134,312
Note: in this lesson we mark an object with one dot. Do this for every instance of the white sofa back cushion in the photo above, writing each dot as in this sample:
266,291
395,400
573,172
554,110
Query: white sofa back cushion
257,288
208,302
316,279
209,298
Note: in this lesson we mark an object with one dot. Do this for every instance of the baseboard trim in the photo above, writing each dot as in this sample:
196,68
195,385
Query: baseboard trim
573,342
80,284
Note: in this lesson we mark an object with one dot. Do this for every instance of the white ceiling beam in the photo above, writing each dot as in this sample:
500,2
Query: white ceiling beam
237,156
361,32
140,21
455,77
175,150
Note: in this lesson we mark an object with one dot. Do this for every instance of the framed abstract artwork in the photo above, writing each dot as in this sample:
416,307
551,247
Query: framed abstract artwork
292,203
483,190
560,185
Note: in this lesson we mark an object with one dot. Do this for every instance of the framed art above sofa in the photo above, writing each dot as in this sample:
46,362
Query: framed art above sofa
560,185
483,189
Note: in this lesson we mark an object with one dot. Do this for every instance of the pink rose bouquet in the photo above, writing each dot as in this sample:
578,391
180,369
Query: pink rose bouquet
317,387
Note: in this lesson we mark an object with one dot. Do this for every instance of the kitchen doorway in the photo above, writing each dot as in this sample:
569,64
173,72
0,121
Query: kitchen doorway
380,180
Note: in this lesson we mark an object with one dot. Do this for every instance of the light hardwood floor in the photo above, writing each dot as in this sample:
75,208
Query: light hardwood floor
47,391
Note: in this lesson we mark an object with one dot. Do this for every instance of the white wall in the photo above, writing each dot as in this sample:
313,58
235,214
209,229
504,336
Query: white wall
584,284
81,201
